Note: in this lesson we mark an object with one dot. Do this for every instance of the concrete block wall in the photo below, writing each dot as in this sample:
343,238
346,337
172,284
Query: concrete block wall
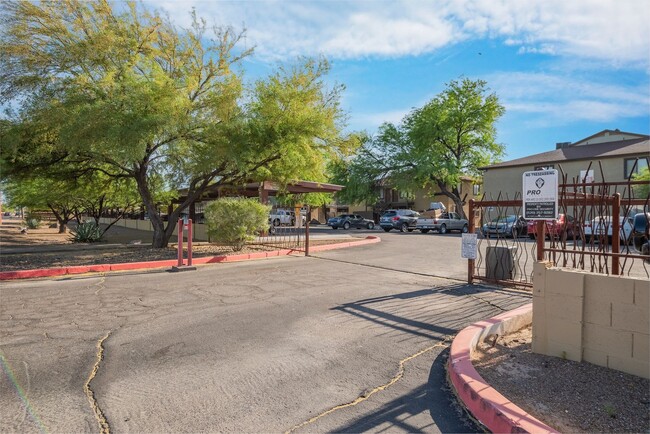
604,320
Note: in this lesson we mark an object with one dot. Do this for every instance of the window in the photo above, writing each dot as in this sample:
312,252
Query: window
547,167
477,189
634,165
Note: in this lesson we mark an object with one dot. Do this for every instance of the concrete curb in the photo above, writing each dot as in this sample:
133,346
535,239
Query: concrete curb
82,269
486,404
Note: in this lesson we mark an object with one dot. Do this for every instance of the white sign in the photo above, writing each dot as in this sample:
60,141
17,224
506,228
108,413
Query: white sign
587,177
540,194
468,246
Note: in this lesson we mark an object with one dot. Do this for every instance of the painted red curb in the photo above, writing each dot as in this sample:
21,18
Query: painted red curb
102,268
485,403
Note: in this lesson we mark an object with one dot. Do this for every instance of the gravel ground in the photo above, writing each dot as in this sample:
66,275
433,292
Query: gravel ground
69,254
568,396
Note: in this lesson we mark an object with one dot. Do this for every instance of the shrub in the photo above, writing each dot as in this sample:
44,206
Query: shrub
234,221
87,232
32,221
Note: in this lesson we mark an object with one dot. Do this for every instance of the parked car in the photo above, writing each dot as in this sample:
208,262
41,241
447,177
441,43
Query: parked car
641,233
347,221
506,226
402,219
600,227
446,221
285,218
564,225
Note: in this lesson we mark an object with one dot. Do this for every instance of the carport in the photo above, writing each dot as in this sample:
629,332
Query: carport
263,190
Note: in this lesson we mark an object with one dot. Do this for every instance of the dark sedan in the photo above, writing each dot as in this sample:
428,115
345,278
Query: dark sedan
506,226
347,221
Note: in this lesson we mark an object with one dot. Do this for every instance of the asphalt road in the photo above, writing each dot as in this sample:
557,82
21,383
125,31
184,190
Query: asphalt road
345,341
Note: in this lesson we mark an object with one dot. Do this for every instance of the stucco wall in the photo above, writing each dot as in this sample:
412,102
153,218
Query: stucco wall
588,317
199,230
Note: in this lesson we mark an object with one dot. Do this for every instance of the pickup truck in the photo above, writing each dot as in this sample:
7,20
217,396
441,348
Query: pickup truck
283,217
443,223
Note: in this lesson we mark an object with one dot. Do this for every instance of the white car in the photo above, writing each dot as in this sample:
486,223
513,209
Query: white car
598,227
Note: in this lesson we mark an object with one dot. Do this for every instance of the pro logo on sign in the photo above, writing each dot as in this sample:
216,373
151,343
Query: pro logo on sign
540,189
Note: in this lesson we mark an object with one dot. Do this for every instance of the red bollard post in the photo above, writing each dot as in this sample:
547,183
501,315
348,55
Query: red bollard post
180,242
189,242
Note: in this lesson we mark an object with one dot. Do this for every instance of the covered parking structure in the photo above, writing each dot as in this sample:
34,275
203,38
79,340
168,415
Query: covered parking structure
262,190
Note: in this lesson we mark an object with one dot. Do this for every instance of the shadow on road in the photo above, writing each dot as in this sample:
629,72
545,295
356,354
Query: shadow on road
434,397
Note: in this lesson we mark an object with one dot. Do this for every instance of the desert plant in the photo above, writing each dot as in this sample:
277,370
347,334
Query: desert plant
87,232
32,221
234,221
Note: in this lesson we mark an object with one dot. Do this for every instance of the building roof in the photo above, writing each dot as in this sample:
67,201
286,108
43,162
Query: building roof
595,151
606,133
252,189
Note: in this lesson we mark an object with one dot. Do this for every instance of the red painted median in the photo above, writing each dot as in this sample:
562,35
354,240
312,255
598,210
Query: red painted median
82,269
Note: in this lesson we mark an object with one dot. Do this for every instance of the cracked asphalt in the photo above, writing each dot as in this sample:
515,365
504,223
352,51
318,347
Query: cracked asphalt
351,340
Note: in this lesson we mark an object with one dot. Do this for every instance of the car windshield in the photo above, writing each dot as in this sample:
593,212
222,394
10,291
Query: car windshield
506,219
389,214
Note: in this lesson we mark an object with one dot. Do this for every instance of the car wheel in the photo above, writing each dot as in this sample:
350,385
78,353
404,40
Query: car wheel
424,231
293,222
276,222
443,229
465,229
272,230
531,236
386,229
346,225
370,225
404,227
335,227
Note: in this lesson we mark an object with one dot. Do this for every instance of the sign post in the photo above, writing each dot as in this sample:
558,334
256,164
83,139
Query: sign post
540,189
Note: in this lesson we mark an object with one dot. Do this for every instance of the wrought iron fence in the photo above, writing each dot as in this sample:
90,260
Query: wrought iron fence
584,237
286,231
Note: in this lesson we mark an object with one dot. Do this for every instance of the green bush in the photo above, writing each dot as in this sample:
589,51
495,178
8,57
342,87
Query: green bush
234,221
32,221
87,232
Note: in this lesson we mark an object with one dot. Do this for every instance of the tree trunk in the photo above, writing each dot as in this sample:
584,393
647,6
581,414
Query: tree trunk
454,195
62,218
160,238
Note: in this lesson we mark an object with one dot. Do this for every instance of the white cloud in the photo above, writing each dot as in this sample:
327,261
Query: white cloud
610,30
561,100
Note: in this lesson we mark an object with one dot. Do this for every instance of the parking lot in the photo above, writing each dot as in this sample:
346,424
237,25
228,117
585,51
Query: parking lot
268,345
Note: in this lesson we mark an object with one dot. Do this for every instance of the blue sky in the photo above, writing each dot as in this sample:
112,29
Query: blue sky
564,70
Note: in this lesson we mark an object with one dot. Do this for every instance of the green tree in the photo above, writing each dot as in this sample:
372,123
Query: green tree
126,93
643,190
41,193
451,136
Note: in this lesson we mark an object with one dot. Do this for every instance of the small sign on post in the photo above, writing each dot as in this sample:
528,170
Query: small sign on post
540,189
468,246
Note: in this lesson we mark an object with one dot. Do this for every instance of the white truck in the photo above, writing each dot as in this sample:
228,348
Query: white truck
283,217
442,222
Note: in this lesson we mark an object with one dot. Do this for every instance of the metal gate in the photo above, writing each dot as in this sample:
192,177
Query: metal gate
583,238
